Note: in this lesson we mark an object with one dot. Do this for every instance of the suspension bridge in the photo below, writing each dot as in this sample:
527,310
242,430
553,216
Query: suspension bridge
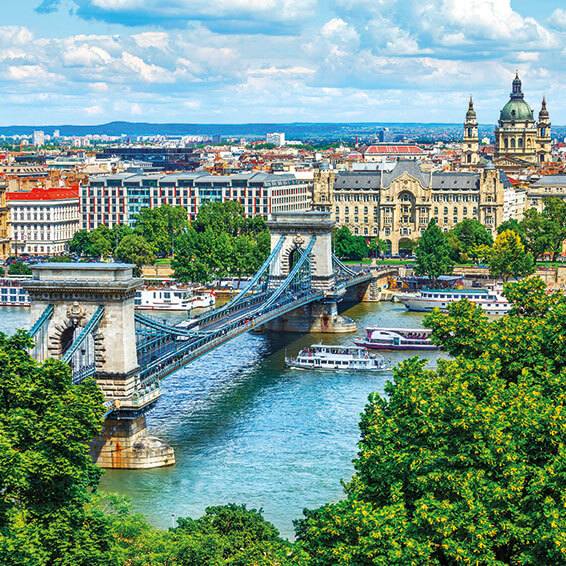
85,316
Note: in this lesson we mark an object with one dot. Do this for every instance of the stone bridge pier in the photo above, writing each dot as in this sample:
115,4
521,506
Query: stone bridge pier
297,228
76,292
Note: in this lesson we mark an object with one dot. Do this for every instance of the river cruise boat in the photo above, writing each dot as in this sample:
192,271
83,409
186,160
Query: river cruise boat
378,338
492,302
173,299
12,294
351,358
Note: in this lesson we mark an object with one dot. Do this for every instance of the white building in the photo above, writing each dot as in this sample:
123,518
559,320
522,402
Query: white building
275,138
514,202
42,221
38,138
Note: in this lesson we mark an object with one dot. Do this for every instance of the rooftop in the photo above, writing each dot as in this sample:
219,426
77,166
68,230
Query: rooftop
40,194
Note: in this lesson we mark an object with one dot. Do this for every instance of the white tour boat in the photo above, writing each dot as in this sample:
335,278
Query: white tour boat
12,294
173,299
351,358
378,338
492,302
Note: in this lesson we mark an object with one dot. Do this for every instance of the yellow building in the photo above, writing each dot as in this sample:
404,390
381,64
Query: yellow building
4,229
396,206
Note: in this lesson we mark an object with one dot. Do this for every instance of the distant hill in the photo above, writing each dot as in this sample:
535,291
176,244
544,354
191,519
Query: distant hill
296,130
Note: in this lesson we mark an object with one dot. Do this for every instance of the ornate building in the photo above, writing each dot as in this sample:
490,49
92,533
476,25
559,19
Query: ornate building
397,206
471,144
520,141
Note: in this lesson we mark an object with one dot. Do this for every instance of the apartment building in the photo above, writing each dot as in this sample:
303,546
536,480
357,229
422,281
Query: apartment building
117,199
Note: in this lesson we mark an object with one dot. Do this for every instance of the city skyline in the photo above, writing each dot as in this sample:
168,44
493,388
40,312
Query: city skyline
96,61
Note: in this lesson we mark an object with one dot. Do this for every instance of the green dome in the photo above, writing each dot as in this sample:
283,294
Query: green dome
516,110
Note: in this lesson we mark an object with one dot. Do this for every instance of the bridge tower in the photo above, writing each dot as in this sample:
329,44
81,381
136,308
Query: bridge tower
85,316
298,228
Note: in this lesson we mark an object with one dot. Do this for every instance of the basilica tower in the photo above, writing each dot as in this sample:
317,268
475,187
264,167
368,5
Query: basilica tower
543,134
470,146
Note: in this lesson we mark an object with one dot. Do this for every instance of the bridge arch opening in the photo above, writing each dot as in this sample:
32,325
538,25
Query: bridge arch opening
294,256
66,338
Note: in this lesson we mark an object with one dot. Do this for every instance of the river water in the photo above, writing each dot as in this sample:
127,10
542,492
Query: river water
248,430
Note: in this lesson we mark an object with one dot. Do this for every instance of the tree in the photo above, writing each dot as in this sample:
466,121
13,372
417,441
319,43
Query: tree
19,268
348,246
222,217
433,253
466,236
538,233
508,257
555,214
377,247
46,472
162,226
514,225
462,464
135,249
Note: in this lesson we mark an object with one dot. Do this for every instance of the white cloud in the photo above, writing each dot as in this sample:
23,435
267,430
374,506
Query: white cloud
94,110
156,39
558,19
147,72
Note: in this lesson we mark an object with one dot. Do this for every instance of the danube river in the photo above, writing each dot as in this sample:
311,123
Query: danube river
245,429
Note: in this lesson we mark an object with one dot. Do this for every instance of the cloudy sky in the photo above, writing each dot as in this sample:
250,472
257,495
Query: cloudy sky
233,61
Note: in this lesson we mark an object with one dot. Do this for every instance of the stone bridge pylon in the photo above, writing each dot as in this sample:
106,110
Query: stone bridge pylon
298,229
85,315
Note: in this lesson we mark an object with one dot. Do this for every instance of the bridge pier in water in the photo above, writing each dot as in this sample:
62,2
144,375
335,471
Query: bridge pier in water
85,315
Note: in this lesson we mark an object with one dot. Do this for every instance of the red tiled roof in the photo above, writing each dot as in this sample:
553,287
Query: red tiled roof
44,194
394,149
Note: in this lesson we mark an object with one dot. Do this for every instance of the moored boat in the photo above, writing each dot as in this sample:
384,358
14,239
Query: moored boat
351,358
492,302
173,298
378,338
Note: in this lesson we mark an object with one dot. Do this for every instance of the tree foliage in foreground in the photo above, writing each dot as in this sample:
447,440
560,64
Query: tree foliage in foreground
348,246
46,472
463,464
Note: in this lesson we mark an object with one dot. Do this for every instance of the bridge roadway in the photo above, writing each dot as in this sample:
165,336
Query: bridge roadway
161,355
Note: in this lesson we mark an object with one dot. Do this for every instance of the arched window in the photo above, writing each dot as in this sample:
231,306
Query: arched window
506,143
470,132
520,142
512,143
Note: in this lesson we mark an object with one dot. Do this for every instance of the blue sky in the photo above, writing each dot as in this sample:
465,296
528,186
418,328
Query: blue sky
231,61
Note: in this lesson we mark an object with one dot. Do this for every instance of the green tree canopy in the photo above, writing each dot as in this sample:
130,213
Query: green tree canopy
19,268
433,253
221,217
462,464
135,249
46,472
508,258
161,227
348,246
466,236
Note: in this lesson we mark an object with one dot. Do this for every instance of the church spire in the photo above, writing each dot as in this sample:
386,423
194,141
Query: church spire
517,91
471,113
543,115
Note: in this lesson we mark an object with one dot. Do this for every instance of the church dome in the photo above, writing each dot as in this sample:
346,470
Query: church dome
516,110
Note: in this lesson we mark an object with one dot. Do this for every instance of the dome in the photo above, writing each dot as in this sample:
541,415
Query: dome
516,110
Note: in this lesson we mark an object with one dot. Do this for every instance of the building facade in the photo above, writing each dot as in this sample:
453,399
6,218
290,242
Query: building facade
544,188
117,199
4,226
397,206
42,221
